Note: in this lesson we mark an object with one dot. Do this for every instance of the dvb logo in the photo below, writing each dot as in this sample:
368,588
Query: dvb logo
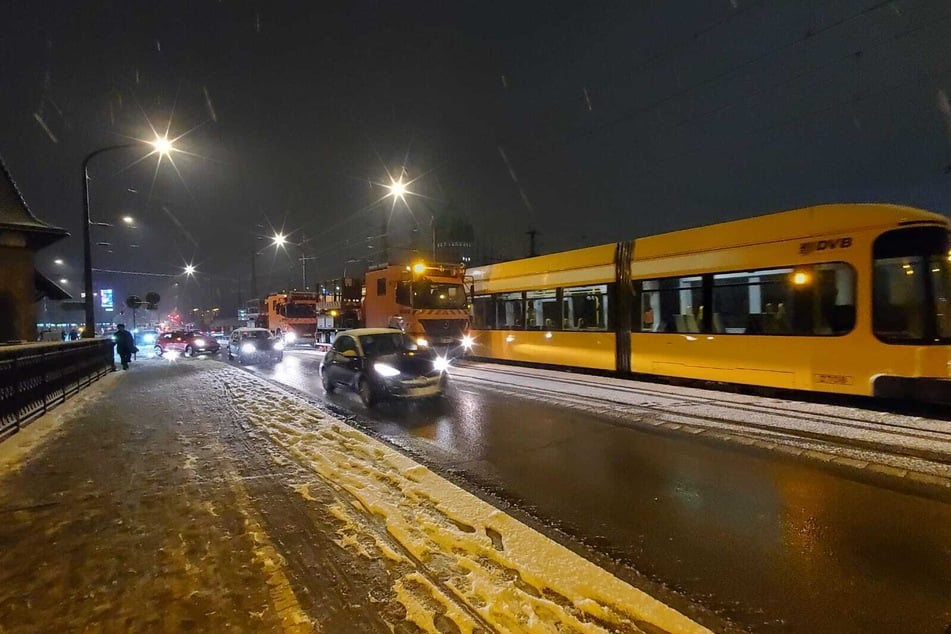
824,245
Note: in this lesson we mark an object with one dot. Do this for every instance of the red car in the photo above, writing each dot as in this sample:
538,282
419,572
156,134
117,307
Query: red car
189,344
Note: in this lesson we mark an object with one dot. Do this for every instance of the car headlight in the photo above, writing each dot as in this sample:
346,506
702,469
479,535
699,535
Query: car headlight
441,364
149,338
248,348
198,342
384,369
290,336
278,345
422,342
467,342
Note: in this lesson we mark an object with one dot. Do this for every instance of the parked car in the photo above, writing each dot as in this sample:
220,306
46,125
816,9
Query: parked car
250,345
188,344
383,363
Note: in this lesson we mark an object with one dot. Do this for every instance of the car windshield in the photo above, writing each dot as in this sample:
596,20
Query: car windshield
257,334
386,343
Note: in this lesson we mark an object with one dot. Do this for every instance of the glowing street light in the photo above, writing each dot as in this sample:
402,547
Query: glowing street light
63,281
128,219
190,270
58,261
280,241
161,146
398,189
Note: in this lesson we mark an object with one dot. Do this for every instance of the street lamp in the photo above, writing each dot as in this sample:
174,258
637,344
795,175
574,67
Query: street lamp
161,146
280,241
399,190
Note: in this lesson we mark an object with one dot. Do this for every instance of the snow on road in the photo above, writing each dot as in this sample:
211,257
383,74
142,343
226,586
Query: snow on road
457,562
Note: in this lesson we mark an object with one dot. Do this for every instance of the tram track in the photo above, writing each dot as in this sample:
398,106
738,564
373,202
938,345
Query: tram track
889,438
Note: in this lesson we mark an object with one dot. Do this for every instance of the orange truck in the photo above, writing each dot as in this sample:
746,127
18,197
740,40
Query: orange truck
426,301
293,315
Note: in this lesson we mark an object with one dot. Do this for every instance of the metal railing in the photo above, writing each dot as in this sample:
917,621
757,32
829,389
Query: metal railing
34,377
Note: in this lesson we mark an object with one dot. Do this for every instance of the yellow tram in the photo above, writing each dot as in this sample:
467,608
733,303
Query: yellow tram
846,298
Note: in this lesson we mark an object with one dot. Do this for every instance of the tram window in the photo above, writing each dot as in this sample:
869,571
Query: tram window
483,313
811,300
672,304
586,308
509,311
542,311
647,319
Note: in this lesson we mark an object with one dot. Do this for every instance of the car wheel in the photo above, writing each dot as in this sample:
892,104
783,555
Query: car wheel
230,356
158,351
365,392
240,359
188,351
280,357
329,387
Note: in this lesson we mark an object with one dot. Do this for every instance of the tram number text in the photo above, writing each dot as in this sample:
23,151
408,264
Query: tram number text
833,379
806,248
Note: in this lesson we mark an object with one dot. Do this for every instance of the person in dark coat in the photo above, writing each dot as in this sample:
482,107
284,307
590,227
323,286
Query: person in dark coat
125,345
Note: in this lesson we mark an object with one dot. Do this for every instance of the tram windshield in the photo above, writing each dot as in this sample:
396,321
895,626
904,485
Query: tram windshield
912,286
428,294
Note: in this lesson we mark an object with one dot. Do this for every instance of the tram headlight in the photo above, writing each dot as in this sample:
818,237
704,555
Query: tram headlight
467,342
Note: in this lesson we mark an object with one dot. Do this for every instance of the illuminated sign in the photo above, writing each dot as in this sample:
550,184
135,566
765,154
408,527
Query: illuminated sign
105,298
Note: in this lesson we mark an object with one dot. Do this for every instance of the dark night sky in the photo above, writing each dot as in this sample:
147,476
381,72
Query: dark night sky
618,118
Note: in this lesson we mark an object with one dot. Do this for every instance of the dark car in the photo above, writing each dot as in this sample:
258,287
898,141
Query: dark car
383,363
251,345
189,344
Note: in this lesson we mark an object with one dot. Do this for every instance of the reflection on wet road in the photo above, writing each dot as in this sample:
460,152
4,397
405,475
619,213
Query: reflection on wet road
770,544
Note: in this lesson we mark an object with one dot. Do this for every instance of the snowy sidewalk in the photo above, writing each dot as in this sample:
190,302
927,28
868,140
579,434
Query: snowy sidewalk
194,495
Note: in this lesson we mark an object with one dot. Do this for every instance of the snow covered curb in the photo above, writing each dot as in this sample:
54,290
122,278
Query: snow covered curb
453,556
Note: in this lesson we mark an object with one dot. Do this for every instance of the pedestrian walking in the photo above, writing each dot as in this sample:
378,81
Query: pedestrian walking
125,345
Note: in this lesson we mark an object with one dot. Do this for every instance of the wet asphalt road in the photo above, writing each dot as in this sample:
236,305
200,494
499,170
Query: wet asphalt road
770,545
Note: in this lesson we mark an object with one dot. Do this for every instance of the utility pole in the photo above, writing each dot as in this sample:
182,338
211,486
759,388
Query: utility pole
531,242
254,277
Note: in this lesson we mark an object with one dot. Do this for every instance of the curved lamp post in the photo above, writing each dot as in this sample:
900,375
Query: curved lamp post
161,146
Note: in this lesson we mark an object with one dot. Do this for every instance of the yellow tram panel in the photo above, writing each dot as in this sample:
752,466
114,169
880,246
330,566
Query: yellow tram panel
595,350
591,265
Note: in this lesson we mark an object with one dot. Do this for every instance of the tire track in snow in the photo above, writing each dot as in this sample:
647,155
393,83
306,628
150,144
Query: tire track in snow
459,564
